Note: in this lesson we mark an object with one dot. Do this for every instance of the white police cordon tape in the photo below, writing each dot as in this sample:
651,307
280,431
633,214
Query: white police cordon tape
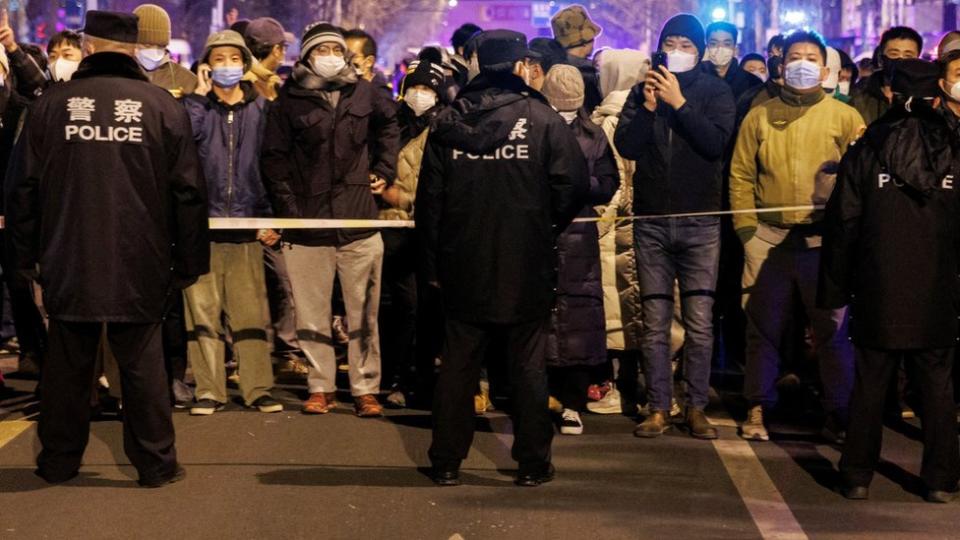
221,224
283,223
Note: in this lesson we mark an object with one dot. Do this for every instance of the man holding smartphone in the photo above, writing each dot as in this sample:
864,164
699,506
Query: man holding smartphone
676,126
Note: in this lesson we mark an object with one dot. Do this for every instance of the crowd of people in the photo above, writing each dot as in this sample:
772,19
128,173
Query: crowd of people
584,219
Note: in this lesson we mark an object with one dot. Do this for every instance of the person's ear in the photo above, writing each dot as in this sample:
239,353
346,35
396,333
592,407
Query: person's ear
824,73
88,48
369,62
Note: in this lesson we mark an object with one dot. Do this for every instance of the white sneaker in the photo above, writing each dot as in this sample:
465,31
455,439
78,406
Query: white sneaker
753,429
610,404
570,423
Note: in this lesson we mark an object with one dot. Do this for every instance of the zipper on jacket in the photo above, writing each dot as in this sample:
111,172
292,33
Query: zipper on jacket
230,149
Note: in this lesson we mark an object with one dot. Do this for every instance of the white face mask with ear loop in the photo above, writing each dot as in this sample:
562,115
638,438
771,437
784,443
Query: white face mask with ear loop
681,62
844,88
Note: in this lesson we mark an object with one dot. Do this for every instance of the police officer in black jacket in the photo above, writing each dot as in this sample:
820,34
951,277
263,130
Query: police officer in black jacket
502,176
109,203
891,249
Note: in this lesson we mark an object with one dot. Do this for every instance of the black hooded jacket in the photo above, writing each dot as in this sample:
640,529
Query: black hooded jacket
679,153
502,176
108,196
891,245
740,81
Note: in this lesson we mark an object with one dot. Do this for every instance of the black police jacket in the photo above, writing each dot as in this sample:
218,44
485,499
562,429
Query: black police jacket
891,244
502,176
107,196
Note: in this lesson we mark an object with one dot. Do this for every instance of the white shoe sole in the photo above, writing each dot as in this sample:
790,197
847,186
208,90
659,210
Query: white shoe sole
202,412
571,430
271,408
755,437
604,410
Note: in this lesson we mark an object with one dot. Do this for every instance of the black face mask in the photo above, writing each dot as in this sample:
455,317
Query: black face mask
889,66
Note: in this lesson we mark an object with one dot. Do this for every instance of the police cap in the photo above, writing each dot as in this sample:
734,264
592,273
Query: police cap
111,25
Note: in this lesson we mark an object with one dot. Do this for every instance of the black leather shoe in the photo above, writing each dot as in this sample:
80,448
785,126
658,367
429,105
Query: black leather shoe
535,477
51,478
940,497
446,477
856,493
177,476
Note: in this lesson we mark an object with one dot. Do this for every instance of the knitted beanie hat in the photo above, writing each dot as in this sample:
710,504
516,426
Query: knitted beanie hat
317,33
154,25
563,87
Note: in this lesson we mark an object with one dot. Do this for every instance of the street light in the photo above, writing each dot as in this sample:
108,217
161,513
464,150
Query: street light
718,14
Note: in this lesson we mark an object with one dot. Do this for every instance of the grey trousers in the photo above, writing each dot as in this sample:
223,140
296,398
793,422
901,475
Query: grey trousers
312,271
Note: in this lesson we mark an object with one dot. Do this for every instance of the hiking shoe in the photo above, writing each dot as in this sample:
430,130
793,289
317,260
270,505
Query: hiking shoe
699,426
609,404
320,403
367,406
570,423
654,426
752,429
205,407
267,404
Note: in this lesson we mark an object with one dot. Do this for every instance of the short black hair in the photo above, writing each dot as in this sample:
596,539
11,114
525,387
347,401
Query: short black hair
463,34
67,36
551,51
776,41
260,50
901,32
722,26
805,36
946,60
369,44
847,63
36,53
753,57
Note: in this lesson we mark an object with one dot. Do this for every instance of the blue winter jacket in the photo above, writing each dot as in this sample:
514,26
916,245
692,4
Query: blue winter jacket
228,141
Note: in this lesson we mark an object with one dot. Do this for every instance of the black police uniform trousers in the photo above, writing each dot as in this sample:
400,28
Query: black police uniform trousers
875,370
453,408
148,436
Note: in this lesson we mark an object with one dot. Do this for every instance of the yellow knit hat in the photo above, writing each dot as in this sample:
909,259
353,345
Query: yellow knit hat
154,25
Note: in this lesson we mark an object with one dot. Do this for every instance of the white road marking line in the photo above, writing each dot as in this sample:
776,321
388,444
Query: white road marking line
766,505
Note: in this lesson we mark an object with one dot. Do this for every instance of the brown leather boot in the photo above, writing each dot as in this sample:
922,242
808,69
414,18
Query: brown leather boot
699,426
654,425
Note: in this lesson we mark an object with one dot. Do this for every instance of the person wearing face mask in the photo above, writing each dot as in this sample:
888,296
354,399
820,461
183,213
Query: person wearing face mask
577,341
756,65
152,52
786,154
904,166
330,149
831,85
421,89
227,116
64,55
676,125
363,49
872,99
849,74
502,176
721,58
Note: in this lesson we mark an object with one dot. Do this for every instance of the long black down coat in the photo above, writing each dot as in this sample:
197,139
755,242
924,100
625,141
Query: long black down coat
578,331
502,175
108,196
891,247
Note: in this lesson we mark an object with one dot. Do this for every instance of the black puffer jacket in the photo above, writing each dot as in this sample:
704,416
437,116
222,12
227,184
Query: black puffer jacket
891,245
679,153
316,160
578,331
502,175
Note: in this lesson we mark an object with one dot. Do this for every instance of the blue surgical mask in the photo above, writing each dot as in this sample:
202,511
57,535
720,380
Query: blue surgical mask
802,74
227,77
151,58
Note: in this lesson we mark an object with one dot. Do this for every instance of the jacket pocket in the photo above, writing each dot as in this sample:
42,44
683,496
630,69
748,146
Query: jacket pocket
312,128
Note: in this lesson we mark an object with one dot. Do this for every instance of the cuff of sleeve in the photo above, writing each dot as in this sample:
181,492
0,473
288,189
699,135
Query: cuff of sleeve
746,233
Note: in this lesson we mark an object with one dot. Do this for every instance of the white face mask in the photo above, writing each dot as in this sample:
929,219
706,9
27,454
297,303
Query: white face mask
62,70
151,58
328,66
844,88
569,116
420,101
955,91
802,74
681,62
720,56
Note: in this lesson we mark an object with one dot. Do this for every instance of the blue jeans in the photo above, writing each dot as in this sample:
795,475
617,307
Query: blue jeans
686,250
